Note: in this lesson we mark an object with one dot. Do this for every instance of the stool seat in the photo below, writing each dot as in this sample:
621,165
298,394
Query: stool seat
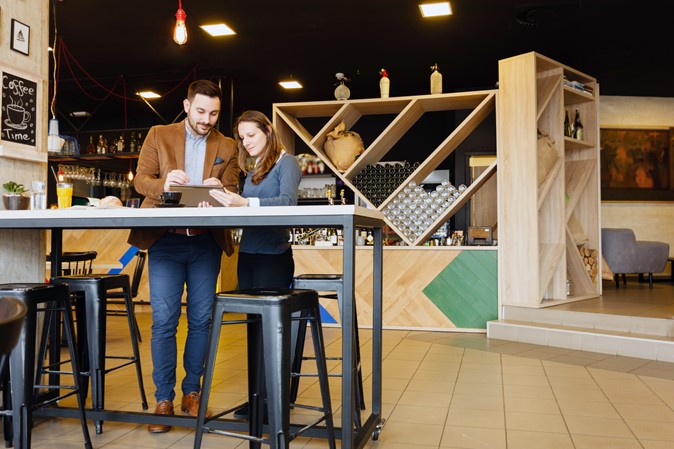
24,378
269,365
91,292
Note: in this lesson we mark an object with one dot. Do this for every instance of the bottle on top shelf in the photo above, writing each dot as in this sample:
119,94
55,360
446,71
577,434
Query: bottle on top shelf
120,144
436,80
132,142
384,84
577,127
101,147
91,148
568,130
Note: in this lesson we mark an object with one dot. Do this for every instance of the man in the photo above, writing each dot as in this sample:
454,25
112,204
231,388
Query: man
189,152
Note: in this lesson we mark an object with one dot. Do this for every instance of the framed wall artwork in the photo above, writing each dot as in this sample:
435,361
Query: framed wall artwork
637,165
20,40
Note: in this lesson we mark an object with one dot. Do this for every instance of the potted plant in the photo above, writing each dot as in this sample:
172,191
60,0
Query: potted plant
14,198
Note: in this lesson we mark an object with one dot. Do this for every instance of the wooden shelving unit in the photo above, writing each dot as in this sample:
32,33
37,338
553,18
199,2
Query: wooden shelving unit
541,227
408,110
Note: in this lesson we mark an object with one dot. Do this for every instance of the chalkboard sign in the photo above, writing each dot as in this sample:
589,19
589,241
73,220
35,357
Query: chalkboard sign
19,110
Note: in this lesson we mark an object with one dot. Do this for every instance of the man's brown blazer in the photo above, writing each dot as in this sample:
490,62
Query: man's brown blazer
163,151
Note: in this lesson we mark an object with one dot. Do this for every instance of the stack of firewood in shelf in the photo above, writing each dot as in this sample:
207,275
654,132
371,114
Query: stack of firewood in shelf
590,261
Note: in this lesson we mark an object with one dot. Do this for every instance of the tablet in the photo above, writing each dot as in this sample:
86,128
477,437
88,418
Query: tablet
192,195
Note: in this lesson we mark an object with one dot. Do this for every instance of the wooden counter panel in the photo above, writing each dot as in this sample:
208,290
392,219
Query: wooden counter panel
407,272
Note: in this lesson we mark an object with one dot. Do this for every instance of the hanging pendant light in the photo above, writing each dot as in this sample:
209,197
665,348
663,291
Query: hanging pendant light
180,30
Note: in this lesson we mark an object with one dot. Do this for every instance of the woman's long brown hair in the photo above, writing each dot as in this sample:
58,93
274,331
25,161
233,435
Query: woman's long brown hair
272,150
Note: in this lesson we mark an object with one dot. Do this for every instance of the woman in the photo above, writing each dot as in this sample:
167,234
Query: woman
265,254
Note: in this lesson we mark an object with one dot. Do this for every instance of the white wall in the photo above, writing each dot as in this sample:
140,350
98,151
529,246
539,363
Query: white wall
22,253
649,220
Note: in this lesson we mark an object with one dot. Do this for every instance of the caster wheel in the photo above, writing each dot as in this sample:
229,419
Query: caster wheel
377,430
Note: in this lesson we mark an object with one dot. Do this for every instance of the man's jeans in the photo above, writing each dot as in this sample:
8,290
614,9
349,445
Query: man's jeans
176,260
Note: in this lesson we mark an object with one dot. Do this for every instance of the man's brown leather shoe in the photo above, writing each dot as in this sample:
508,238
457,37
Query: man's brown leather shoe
190,404
163,408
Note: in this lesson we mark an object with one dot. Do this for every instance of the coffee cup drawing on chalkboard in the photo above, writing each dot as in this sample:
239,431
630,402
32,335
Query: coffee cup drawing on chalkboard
17,116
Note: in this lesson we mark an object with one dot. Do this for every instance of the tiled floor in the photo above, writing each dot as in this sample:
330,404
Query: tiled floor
441,390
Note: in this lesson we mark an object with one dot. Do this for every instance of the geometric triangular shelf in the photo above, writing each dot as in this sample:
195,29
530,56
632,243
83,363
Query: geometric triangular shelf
287,118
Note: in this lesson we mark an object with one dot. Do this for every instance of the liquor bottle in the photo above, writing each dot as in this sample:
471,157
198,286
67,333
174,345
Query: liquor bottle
132,143
91,148
436,80
333,237
577,127
139,143
100,148
567,125
120,144
369,240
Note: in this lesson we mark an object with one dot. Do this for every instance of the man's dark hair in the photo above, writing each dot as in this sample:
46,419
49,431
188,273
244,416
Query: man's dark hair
204,87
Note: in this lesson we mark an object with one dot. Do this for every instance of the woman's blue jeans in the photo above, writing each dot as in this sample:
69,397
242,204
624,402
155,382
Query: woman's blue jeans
176,261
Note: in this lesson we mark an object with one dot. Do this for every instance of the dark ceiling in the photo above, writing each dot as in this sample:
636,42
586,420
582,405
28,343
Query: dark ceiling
114,48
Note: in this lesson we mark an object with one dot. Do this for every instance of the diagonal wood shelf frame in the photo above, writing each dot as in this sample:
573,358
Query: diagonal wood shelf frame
407,110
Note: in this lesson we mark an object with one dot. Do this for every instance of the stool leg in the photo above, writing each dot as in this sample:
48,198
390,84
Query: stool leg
299,329
6,405
322,369
256,380
360,395
276,343
21,366
133,332
70,336
82,342
360,400
213,339
95,309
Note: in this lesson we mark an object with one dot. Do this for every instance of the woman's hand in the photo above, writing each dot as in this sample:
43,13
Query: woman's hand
204,204
229,199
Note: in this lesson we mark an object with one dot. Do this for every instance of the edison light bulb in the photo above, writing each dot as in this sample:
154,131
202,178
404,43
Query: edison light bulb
180,31
130,175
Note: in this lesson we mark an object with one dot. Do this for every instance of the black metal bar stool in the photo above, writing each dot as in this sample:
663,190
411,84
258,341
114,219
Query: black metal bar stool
269,352
24,379
91,295
325,283
117,298
12,313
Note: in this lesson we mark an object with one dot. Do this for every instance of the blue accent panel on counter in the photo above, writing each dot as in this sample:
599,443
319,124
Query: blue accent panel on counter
125,259
326,317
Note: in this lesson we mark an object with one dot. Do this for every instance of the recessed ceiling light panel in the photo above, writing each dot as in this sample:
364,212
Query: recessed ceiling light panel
218,29
80,114
290,85
149,95
435,9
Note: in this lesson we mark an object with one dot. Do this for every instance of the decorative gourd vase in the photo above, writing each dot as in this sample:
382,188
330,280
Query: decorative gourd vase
343,147
342,92
384,84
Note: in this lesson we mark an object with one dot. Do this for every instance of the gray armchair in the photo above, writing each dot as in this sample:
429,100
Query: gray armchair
625,254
